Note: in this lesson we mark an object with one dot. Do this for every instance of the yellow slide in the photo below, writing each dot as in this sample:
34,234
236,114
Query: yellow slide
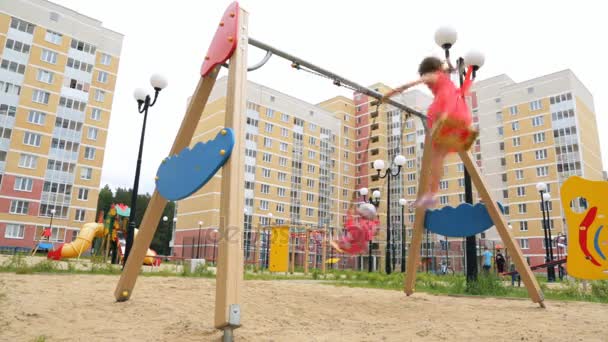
82,243
84,240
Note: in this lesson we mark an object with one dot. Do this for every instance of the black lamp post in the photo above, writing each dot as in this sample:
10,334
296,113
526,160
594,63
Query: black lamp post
403,203
198,241
144,102
375,201
445,37
388,174
544,198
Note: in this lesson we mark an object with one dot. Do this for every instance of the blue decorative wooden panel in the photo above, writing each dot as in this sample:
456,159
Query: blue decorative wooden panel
181,175
464,220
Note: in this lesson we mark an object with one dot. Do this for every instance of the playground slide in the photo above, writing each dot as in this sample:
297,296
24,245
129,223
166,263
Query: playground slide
150,258
81,244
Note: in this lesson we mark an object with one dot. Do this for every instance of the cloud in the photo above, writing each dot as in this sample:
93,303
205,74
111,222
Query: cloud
181,175
464,220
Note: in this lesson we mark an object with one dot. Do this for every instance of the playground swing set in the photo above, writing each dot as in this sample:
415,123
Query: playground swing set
188,169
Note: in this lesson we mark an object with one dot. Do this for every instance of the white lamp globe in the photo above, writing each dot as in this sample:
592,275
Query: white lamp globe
541,187
200,223
399,160
165,218
474,58
140,94
158,81
363,191
445,37
376,194
378,164
367,210
402,201
546,196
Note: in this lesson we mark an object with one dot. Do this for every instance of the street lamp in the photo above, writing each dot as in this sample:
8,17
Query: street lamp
375,201
544,197
388,174
214,246
268,239
198,241
172,242
446,37
144,102
403,203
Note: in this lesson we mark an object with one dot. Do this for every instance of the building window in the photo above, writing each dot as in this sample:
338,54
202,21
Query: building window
309,212
53,37
36,117
265,188
82,46
22,25
266,173
282,161
513,110
521,191
281,192
14,231
40,96
515,125
78,65
523,208
92,133
535,105
501,131
264,205
310,183
105,59
17,46
411,177
86,173
19,207
267,142
523,226
538,121
100,95
83,194
541,154
79,215
48,56
282,177
523,243
311,126
518,157
542,171
267,157
280,208
519,174
444,200
12,66
284,117
284,132
102,77
28,161
411,190
310,198
539,137
443,184
96,114
89,153
311,154
31,139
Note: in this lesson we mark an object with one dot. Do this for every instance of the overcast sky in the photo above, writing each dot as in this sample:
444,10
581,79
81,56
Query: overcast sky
365,41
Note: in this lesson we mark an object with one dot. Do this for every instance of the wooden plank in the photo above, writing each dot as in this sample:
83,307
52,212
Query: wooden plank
306,248
157,203
521,265
229,277
413,257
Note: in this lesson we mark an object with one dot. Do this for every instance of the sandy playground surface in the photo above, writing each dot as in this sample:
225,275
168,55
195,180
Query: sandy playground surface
82,308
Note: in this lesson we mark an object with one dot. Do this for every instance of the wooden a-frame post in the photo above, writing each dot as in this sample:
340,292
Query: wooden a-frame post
413,259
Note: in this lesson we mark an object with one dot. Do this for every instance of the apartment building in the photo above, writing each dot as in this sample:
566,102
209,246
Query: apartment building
57,76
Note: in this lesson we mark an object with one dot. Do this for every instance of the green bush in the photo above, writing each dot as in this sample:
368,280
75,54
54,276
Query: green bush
599,289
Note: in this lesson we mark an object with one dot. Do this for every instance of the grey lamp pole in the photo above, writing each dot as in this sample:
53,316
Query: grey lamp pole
403,203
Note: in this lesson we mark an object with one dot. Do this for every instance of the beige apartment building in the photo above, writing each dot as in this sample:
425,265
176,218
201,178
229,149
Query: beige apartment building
57,76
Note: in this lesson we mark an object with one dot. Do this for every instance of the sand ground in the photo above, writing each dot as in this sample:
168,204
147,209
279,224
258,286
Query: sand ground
82,308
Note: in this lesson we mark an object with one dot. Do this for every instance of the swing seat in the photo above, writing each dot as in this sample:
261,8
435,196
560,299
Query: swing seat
453,134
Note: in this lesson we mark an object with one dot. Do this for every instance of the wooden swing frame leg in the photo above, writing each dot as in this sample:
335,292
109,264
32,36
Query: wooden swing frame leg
498,219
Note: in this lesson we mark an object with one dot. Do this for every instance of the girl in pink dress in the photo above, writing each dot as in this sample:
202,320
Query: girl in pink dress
358,234
449,118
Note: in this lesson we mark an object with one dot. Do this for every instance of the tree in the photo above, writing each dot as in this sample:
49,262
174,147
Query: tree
105,200
160,242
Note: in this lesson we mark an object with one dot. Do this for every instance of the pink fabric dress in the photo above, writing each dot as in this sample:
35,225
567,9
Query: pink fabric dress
357,236
450,100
